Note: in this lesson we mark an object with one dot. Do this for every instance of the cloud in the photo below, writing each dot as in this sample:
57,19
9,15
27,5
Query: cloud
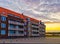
45,10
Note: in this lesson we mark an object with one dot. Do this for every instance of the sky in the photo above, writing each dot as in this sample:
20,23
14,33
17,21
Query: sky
45,10
52,27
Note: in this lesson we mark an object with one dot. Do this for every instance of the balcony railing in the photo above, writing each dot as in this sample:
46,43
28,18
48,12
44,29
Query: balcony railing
35,35
42,32
18,23
15,34
35,26
35,30
42,29
19,34
11,34
35,23
42,26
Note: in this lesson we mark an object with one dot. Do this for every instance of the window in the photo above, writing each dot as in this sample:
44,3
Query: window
25,23
20,32
3,25
28,19
35,32
3,18
21,26
11,31
12,26
3,32
35,28
17,26
35,24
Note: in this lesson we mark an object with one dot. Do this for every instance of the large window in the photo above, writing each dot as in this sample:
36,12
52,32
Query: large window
3,18
12,26
3,32
11,31
3,25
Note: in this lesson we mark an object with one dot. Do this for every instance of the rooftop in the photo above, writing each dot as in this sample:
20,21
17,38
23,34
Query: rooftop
7,11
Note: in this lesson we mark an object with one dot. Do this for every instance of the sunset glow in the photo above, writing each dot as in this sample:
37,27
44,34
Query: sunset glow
52,27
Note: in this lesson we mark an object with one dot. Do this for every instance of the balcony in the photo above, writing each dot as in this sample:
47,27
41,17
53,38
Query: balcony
9,28
15,33
17,23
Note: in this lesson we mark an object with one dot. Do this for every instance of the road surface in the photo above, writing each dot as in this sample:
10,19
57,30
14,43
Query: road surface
47,40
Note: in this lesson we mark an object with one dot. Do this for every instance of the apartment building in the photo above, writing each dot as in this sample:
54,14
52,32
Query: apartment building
14,24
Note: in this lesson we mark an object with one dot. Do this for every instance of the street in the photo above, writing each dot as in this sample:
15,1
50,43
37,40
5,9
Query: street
47,40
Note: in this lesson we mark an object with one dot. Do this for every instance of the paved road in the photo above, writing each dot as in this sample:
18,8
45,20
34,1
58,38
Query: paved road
49,40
